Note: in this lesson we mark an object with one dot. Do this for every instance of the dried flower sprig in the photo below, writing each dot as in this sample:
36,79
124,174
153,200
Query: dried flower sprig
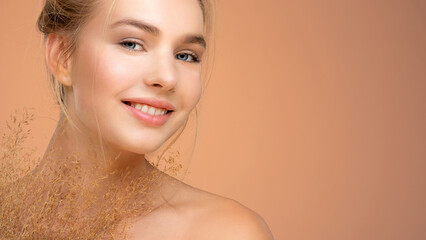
54,204
12,154
170,164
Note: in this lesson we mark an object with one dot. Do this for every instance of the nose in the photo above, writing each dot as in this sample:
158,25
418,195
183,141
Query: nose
164,74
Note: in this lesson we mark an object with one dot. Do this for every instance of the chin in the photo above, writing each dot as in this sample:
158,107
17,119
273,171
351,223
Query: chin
142,149
138,147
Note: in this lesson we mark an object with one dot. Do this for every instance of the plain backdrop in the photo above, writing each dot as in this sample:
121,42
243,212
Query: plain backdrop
314,116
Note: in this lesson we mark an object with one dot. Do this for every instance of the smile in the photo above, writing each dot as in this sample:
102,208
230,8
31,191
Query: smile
153,111
148,114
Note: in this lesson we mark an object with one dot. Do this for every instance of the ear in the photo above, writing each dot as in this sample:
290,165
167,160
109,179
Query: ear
56,61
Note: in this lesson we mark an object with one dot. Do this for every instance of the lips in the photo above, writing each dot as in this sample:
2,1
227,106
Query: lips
151,111
152,102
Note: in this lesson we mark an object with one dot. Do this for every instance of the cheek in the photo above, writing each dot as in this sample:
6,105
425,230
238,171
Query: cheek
112,76
191,89
98,78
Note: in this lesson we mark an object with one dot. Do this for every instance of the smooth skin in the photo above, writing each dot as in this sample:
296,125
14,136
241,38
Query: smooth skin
144,48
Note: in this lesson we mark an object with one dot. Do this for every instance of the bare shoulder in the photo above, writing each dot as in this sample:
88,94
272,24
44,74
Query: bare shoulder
195,214
217,217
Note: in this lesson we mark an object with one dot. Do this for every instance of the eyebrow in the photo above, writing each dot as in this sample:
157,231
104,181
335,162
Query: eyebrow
139,24
197,39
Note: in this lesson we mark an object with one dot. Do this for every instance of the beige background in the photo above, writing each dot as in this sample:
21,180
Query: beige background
315,114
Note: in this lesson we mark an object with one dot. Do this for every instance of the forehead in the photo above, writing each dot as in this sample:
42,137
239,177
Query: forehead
170,16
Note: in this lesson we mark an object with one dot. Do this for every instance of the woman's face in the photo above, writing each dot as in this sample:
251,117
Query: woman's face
131,57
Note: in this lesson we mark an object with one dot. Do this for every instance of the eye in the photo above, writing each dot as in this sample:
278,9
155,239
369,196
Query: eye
185,56
131,45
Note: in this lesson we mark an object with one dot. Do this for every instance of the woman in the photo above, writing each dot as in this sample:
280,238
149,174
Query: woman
127,74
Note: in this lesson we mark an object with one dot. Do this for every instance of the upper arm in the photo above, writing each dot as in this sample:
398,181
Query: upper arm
231,221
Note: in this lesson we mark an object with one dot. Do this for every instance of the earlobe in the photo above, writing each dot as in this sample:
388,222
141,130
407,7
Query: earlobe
58,64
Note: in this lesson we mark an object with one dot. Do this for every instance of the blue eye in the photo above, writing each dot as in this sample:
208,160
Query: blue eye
132,46
186,56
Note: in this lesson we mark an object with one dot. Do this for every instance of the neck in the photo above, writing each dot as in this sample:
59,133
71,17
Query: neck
96,185
95,158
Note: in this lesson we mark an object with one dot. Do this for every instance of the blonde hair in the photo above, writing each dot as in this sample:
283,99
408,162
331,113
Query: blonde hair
66,18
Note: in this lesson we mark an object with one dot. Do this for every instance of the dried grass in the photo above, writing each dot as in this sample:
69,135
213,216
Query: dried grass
56,203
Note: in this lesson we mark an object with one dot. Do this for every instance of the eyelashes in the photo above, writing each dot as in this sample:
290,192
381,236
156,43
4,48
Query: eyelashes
188,55
134,46
131,45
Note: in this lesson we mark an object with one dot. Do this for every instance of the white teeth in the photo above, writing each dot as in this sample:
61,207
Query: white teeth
145,109
148,109
158,112
151,111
